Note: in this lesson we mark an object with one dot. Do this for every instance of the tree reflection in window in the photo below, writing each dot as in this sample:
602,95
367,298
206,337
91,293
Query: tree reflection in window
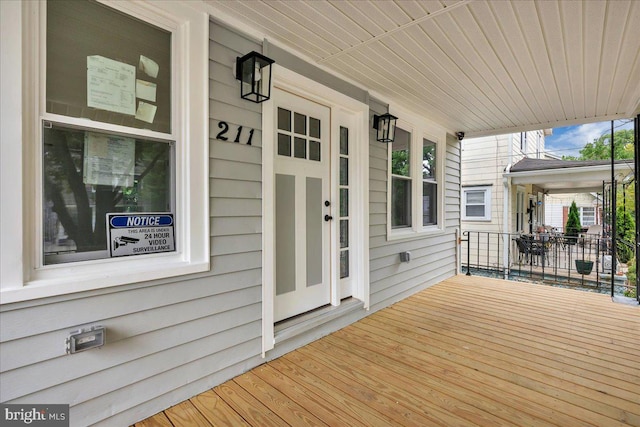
75,210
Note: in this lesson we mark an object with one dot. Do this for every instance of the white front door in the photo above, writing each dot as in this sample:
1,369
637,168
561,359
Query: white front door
302,205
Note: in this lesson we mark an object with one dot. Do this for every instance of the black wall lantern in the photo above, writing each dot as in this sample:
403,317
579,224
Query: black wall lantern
386,127
254,72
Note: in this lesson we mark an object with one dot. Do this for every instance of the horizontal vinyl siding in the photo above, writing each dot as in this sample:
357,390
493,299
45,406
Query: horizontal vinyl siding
434,256
168,339
483,163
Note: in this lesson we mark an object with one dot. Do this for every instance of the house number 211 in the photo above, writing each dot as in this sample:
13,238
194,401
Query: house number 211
222,135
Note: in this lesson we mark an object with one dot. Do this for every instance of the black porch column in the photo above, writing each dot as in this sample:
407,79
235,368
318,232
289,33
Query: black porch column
636,164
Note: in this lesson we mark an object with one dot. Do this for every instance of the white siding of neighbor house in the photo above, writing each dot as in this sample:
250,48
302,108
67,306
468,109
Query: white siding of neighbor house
484,161
555,204
170,339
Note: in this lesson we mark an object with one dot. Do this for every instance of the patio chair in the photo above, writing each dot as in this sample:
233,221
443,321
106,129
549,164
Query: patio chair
528,248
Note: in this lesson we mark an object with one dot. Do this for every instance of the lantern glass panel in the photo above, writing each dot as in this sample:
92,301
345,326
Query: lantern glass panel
255,77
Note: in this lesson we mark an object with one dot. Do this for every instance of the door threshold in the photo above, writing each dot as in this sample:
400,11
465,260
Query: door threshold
302,323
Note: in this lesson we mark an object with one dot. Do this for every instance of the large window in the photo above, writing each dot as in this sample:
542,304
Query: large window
476,203
107,67
416,166
114,121
401,182
429,183
89,174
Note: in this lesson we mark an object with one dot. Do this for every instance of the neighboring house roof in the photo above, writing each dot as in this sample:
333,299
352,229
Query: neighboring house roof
566,176
529,164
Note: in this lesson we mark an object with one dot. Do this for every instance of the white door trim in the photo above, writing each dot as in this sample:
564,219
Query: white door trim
340,104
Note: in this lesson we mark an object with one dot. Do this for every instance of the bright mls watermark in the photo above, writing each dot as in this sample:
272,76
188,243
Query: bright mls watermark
34,415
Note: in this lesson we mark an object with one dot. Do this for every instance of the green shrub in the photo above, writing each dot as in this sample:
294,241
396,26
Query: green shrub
572,227
625,230
631,277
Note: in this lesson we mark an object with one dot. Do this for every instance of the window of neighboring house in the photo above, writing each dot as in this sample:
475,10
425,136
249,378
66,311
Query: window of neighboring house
416,166
523,142
110,142
476,203
587,216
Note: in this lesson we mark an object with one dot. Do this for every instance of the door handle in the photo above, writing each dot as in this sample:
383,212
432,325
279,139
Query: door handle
328,217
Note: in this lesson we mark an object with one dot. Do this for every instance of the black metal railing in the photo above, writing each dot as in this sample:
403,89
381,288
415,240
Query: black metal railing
585,260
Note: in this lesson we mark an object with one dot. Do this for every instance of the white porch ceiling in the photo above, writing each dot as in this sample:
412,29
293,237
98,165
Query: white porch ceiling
482,66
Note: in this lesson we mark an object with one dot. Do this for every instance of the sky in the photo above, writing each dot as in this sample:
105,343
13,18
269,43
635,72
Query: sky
567,141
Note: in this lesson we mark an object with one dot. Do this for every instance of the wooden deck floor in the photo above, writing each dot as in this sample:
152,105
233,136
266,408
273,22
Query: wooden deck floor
468,351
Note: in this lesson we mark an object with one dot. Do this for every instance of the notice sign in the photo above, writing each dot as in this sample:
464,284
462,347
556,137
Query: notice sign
140,233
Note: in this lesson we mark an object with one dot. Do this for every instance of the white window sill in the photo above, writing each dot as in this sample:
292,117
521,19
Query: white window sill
410,234
101,279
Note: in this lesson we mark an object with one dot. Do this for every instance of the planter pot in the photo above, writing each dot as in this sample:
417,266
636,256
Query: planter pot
584,267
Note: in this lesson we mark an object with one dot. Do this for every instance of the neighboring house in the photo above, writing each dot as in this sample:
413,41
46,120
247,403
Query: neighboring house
484,205
557,209
147,207
563,181
510,187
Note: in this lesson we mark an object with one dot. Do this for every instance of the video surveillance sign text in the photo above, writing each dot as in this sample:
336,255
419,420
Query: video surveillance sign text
140,233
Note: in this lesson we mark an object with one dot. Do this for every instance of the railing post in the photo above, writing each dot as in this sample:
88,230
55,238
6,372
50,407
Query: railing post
468,252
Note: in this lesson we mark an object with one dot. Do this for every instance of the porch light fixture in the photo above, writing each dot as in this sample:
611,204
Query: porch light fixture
254,72
386,127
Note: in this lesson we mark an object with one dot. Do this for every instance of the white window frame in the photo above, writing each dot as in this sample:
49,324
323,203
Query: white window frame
29,278
420,129
581,209
486,189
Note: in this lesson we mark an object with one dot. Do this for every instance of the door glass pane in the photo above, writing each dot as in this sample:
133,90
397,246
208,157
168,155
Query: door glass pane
400,156
314,128
284,119
400,203
314,150
300,123
314,231
344,171
284,145
344,264
344,141
344,233
300,148
344,202
429,204
285,234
